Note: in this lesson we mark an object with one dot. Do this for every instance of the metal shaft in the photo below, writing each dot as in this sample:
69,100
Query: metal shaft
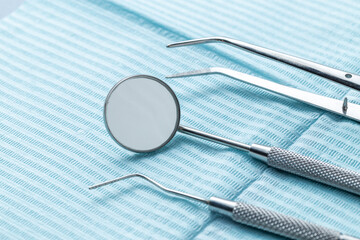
344,78
257,151
253,216
341,107
214,138
182,194
300,165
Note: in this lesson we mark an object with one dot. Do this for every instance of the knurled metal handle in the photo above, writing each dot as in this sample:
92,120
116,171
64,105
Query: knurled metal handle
314,169
281,224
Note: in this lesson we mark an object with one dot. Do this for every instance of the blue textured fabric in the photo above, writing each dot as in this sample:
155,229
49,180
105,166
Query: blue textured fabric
60,58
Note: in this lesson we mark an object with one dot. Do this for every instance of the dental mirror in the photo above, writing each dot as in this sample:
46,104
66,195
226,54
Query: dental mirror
142,114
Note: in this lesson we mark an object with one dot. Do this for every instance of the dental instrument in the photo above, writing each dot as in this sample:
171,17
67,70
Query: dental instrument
348,79
341,107
254,216
142,114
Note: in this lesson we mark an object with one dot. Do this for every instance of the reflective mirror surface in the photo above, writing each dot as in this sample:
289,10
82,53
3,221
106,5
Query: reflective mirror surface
142,113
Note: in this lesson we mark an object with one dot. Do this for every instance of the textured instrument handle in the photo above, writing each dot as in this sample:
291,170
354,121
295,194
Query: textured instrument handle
314,169
281,224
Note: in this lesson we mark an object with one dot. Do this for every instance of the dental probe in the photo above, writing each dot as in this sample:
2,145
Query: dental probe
254,216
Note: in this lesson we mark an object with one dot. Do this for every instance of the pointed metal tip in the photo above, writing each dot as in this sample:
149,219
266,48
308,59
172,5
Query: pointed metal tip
176,75
180,44
171,45
95,186
196,41
115,180
192,73
155,183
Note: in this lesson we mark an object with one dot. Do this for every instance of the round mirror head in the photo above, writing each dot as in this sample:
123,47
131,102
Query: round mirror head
142,113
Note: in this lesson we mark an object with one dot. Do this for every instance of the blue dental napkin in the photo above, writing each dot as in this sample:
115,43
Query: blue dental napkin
59,59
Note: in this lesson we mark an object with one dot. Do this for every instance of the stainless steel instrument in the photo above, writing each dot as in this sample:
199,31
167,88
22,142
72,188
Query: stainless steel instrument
344,78
142,114
254,216
341,107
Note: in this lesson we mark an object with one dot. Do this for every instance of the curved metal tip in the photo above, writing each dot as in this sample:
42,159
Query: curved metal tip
339,76
192,73
153,182
117,179
198,41
198,72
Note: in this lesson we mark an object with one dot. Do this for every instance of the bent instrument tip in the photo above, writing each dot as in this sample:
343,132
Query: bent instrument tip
190,73
171,191
336,75
116,180
195,72
197,41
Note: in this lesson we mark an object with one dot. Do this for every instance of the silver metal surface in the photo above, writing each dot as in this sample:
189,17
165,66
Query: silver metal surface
260,152
281,224
214,138
222,206
343,108
182,194
316,170
183,129
254,216
325,173
344,78
153,79
347,237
